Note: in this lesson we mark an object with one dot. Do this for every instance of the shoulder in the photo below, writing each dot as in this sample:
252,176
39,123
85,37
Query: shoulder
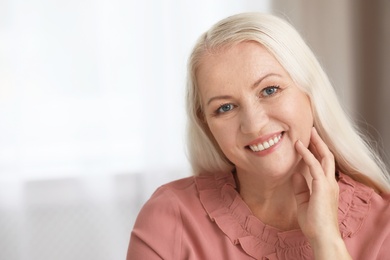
361,208
166,199
174,192
359,201
364,217
157,232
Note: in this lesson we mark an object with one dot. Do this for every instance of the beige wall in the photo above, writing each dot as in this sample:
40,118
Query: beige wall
351,38
371,48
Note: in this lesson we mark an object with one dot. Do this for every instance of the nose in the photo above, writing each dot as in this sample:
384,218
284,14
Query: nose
253,119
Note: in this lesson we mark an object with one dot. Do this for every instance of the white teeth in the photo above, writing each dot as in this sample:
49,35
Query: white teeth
267,144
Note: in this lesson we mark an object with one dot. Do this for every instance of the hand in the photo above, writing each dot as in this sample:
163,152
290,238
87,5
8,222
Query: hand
318,209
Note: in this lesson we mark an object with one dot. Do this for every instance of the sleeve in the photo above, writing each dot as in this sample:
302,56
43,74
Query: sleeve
384,251
157,230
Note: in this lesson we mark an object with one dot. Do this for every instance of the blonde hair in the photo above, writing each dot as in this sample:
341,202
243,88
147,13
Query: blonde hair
353,155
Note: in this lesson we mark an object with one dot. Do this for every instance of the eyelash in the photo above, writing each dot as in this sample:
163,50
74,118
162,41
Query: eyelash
218,111
277,88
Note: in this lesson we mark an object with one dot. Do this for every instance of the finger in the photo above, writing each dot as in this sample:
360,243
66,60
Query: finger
318,144
323,154
314,151
314,165
301,189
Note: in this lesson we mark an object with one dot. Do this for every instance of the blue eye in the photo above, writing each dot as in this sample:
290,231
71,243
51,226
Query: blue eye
269,91
225,108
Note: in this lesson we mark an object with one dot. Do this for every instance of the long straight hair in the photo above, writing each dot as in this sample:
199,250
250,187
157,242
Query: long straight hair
353,155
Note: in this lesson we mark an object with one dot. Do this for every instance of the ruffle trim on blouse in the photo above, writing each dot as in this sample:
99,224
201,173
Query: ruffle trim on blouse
226,208
354,205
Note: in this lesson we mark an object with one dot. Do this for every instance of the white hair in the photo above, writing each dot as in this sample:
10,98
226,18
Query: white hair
353,155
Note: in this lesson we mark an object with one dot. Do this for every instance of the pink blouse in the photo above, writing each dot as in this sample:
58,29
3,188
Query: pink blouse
204,217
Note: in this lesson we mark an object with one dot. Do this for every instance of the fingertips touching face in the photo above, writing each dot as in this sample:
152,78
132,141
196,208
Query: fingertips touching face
306,154
318,144
322,153
313,150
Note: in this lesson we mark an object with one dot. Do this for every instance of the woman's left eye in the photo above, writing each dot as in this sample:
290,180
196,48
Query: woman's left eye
269,91
225,108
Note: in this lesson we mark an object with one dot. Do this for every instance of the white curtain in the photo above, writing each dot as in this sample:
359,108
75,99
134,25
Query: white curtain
92,117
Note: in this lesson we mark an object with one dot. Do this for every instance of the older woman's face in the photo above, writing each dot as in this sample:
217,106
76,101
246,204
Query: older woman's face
254,110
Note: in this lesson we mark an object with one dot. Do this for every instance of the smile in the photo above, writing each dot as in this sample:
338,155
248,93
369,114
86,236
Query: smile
266,144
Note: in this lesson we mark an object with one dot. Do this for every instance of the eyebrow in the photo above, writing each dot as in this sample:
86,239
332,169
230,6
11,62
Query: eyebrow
262,78
218,98
257,82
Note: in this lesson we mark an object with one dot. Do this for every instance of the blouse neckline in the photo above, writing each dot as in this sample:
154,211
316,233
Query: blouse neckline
226,208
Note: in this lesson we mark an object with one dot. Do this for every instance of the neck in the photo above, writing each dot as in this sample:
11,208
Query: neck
270,198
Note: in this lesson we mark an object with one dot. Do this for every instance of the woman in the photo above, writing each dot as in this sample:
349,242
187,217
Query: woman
280,171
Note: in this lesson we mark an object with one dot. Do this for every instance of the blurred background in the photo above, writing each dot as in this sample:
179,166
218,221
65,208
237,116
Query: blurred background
92,116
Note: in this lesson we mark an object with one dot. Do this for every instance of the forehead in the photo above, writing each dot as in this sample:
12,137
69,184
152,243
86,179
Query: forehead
239,65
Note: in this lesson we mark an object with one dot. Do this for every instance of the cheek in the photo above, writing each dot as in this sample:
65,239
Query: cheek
223,134
300,116
305,123
301,112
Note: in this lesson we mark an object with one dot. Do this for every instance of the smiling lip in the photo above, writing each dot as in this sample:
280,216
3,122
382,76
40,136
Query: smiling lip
265,142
